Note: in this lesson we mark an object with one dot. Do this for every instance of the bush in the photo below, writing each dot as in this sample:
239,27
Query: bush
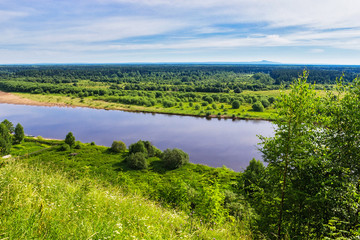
77,146
271,99
64,147
137,161
19,133
224,100
208,99
265,103
258,107
168,104
174,158
235,104
118,146
70,139
138,147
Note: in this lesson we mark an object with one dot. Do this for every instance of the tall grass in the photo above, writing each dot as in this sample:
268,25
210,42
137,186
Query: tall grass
39,203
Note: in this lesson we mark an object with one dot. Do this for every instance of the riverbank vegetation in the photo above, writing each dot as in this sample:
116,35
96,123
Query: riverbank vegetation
196,90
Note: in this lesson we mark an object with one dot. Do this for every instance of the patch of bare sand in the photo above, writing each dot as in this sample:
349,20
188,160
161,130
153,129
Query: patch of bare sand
13,99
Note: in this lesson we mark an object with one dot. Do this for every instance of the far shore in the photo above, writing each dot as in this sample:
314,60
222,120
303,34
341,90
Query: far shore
9,98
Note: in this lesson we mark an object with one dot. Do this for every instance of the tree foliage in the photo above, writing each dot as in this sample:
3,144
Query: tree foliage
70,139
5,139
139,146
9,125
19,134
235,104
258,107
312,177
118,146
174,158
137,160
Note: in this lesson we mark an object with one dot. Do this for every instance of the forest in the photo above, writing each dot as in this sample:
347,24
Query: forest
223,91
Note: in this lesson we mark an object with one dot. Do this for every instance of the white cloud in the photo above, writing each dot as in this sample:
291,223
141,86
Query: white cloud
108,29
321,14
9,15
317,50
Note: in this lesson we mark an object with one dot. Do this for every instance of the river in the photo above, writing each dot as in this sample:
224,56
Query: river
212,142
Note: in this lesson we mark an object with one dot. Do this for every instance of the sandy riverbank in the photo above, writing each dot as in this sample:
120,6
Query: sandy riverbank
13,99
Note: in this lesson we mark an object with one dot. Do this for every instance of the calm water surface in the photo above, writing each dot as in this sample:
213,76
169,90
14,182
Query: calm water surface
212,142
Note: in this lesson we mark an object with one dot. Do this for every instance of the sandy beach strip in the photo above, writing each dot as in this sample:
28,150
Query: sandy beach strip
14,99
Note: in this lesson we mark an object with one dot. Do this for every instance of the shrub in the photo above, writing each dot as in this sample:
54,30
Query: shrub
174,158
258,107
70,139
19,133
77,145
138,147
224,100
168,104
271,99
208,99
157,152
137,160
5,139
235,104
265,103
118,146
64,147
197,107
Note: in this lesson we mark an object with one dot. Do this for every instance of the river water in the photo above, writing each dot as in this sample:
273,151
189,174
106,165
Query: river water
211,142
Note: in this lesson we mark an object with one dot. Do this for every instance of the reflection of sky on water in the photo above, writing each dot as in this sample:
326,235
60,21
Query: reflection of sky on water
211,142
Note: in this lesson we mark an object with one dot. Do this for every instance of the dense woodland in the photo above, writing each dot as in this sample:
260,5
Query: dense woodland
308,188
201,90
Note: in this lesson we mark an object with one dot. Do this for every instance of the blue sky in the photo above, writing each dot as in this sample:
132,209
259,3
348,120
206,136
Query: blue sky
120,31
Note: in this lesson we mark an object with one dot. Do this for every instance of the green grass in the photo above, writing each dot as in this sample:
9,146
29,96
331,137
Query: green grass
27,147
38,203
95,195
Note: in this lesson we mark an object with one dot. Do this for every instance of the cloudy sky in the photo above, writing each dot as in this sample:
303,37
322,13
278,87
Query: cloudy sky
118,31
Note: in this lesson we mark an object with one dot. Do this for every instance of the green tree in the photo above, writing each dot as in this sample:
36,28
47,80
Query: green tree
235,104
253,176
139,146
70,139
174,158
265,103
9,125
292,158
19,134
137,160
118,146
258,107
5,139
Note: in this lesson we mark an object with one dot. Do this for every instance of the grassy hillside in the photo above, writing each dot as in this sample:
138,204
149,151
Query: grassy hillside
93,195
